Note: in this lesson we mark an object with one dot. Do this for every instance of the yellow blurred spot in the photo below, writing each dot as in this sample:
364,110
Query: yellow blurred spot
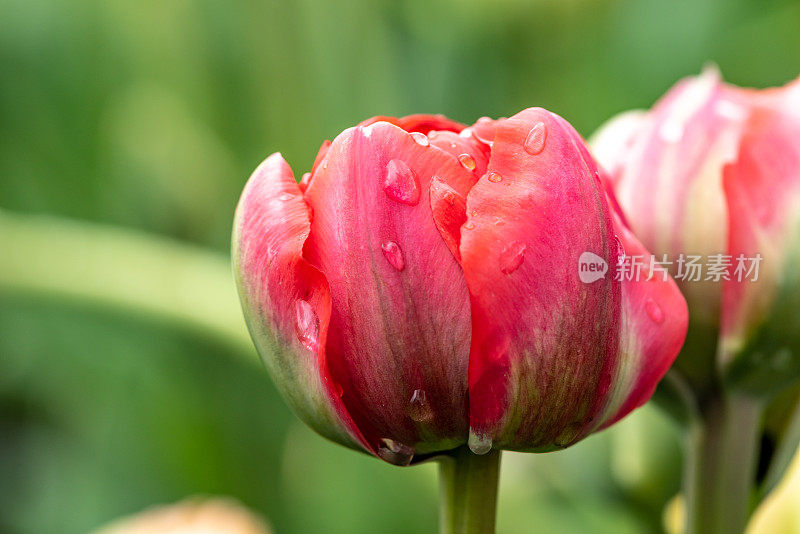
674,515
779,513
195,515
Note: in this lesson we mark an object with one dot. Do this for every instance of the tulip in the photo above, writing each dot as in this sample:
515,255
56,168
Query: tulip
712,171
419,290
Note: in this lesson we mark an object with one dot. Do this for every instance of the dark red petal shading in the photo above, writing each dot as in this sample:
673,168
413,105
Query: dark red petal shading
400,324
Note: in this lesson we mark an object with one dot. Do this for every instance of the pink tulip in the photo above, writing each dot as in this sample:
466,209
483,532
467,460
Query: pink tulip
712,170
420,288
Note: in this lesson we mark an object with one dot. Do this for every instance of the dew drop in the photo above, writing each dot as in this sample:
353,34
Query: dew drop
466,132
420,138
467,161
620,246
286,197
469,225
495,177
479,443
534,143
400,183
395,452
484,130
394,255
418,409
511,257
654,311
306,324
338,388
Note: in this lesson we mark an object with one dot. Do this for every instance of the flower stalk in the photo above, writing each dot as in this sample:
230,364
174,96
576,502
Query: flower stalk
468,489
722,453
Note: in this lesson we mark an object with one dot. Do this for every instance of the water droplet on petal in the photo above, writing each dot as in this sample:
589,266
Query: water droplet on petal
467,161
534,143
419,410
484,130
498,221
466,132
286,196
495,177
400,183
395,452
394,255
469,225
420,138
306,325
479,443
620,246
654,311
511,257
338,388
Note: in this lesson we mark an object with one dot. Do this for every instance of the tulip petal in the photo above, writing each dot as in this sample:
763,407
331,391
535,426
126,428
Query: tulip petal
470,153
421,123
613,141
544,344
449,192
399,333
286,301
671,183
652,331
763,192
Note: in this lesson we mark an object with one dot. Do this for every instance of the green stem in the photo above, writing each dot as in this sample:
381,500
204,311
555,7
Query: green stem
469,492
119,269
721,465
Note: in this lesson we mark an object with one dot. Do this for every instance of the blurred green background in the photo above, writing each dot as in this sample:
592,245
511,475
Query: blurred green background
127,130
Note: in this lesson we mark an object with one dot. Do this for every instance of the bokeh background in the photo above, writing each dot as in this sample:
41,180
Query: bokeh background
127,130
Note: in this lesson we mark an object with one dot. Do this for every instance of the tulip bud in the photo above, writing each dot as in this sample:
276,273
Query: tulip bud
424,289
713,172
